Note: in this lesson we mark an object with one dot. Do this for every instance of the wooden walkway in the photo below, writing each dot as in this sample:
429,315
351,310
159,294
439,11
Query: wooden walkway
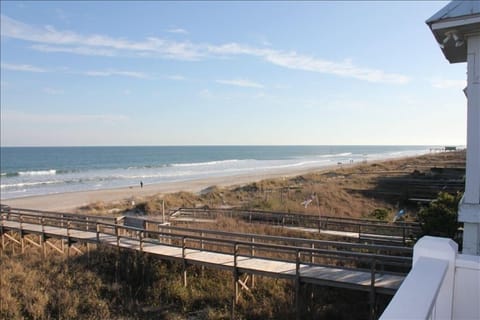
373,231
312,264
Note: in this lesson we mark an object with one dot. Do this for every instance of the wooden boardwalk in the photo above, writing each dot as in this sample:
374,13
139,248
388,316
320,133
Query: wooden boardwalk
373,231
292,262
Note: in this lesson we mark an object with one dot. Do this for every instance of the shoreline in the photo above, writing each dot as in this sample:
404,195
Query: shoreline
71,201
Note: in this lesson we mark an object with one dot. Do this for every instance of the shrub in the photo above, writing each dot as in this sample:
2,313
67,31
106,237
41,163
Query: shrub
380,214
440,218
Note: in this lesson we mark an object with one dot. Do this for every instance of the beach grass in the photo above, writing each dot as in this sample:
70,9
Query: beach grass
131,285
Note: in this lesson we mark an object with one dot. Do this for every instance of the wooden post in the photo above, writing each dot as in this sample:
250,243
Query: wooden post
372,290
235,281
184,262
3,237
42,238
22,241
98,232
3,243
252,253
312,257
163,211
235,271
117,235
297,285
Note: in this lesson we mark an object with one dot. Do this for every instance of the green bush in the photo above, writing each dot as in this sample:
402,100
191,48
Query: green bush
380,214
440,218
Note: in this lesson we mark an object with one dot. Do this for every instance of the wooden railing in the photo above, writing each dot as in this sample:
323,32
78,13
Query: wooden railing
380,231
296,250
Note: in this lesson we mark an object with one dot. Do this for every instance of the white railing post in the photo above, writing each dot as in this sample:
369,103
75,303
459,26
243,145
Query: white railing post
443,249
427,291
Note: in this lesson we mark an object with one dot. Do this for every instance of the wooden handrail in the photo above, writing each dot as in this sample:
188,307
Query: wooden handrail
250,241
296,216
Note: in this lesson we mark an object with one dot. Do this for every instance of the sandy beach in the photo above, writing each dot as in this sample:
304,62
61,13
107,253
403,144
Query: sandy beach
329,189
69,202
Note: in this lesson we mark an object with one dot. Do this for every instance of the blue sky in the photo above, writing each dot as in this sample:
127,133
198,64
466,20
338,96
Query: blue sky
226,73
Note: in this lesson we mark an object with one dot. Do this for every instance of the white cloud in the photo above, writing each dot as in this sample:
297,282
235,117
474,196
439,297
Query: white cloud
293,60
49,39
110,73
22,67
178,30
87,51
12,28
241,83
448,83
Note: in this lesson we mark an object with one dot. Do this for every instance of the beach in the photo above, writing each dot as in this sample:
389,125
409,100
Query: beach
72,201
66,178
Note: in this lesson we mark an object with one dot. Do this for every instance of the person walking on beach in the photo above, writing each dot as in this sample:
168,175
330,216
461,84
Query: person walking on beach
141,184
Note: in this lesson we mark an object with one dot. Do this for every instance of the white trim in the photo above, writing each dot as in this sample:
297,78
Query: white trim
455,23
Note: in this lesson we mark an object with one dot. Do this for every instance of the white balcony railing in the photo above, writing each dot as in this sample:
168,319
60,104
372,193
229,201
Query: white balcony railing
441,285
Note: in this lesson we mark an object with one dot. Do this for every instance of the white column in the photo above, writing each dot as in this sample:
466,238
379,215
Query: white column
469,211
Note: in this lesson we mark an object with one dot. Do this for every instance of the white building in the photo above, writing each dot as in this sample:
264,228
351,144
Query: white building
443,283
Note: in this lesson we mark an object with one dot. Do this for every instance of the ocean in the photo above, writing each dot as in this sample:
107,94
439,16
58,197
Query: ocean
29,171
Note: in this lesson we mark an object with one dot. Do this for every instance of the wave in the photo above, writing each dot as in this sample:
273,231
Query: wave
38,173
208,163
29,184
344,154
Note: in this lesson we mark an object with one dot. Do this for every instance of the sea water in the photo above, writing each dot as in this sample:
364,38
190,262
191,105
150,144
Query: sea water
28,171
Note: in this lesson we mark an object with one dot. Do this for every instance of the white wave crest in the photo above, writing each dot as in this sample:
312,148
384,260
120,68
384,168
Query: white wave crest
209,163
28,184
38,173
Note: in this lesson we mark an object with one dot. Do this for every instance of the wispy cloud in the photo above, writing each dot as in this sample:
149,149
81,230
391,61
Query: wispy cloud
110,73
241,83
48,39
86,51
22,67
52,91
49,35
177,30
448,83
25,117
296,61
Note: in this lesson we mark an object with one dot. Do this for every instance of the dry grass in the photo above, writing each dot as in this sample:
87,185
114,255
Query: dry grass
335,189
137,286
